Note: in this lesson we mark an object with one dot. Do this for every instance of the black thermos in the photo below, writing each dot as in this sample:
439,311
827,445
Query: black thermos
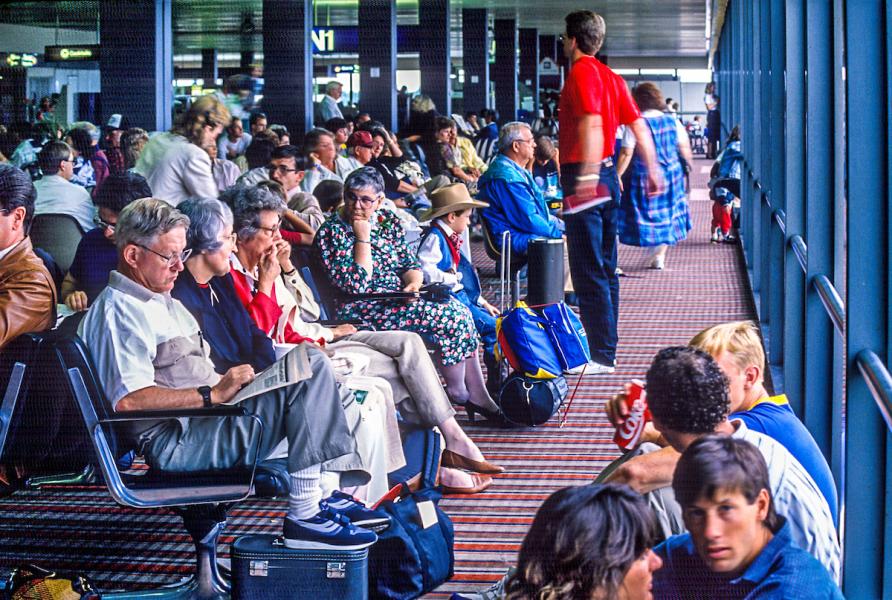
545,271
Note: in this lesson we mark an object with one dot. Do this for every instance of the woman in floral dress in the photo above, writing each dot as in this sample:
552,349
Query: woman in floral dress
363,250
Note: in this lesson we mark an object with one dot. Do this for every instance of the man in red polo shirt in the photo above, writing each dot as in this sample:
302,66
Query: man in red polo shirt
594,102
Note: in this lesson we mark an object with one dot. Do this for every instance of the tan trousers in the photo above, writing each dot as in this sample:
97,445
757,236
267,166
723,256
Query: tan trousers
401,358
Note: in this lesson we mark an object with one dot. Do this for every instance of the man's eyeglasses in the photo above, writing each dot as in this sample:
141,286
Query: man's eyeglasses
105,225
272,229
365,201
280,169
527,141
171,260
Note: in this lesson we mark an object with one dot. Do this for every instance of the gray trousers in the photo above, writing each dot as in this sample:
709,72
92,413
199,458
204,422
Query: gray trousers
401,358
661,501
308,414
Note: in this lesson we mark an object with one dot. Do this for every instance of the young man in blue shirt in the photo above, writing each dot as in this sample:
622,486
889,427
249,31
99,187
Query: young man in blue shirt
737,348
738,546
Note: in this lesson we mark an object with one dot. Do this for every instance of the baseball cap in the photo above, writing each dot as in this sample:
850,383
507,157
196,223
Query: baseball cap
360,138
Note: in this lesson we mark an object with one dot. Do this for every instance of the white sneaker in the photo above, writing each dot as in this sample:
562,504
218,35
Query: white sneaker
591,368
658,262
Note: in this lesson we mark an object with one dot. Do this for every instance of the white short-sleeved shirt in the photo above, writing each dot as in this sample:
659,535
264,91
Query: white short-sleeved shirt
797,497
57,196
140,339
224,145
629,135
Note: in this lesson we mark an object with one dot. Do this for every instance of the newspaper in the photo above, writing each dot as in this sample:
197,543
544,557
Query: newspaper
291,368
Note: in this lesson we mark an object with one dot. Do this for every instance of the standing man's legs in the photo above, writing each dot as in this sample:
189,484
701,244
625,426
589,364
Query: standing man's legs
591,241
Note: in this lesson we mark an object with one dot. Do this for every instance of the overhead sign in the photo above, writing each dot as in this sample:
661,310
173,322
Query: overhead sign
19,59
345,68
71,53
548,67
345,39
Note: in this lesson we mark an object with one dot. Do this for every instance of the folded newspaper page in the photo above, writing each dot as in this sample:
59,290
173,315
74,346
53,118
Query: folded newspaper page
291,368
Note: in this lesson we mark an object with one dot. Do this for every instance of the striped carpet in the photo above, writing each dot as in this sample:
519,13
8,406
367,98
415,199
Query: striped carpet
703,284
81,529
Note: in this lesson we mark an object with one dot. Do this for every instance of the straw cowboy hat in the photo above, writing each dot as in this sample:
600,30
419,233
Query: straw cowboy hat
450,198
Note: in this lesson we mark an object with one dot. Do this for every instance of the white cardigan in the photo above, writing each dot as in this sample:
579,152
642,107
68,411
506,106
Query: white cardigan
176,169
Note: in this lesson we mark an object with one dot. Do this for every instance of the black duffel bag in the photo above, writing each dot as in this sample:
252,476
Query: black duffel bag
530,402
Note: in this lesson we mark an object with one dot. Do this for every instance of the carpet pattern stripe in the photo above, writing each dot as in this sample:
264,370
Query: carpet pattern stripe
81,529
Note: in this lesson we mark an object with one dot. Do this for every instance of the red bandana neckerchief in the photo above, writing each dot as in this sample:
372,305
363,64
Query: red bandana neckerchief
454,240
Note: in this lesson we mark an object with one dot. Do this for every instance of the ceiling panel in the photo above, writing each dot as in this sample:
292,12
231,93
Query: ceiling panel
664,28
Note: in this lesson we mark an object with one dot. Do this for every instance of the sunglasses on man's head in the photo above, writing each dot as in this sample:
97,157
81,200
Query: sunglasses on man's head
104,224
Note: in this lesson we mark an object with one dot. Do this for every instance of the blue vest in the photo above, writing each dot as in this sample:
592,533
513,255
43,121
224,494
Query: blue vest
468,273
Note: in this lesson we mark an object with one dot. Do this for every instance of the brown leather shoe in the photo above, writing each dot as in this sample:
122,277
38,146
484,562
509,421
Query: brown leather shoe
457,461
481,482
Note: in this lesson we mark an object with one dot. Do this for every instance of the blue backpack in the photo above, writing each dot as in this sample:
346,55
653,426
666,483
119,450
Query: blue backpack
524,341
567,334
412,557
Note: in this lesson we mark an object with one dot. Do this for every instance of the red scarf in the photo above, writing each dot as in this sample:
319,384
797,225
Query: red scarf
454,240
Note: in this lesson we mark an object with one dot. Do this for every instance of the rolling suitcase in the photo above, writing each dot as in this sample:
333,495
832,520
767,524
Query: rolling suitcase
264,568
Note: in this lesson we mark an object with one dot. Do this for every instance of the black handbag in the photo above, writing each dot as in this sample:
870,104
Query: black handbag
530,402
33,582
414,555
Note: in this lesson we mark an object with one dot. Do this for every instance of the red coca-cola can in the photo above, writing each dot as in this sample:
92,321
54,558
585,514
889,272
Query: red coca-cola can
629,433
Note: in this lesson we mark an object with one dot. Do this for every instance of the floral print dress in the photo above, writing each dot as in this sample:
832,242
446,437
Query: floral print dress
449,325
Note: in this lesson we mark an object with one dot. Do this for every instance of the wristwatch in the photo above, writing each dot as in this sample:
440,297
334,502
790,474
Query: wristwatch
205,392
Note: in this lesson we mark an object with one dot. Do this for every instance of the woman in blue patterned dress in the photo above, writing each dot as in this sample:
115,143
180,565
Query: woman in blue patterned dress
664,220
363,250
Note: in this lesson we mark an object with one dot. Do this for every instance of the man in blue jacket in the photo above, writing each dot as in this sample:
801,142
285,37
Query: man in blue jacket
516,203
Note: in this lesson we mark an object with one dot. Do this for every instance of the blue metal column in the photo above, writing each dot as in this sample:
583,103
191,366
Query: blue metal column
377,59
528,40
475,46
752,142
774,169
791,279
136,61
839,239
288,64
818,334
433,57
506,69
209,65
866,563
758,138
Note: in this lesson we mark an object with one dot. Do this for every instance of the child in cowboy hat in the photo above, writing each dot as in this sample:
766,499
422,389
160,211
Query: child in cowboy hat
443,262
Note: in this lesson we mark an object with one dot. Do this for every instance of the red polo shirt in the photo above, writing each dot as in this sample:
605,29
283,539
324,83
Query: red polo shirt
592,88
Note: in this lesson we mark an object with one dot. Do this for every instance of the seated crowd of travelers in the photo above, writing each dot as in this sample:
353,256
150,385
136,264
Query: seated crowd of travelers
213,250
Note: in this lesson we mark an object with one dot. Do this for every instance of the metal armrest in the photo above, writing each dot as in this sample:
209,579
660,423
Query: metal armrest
336,322
223,410
380,296
180,491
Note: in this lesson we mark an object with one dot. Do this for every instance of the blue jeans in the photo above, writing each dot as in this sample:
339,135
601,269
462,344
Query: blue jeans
591,241
483,321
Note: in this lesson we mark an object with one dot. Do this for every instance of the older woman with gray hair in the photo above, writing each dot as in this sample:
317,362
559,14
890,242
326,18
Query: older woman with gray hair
206,290
282,306
363,250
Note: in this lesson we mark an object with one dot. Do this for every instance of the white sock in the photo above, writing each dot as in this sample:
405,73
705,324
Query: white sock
329,481
303,501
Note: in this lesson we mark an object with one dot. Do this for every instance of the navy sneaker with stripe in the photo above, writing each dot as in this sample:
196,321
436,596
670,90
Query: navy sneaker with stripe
356,511
327,530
